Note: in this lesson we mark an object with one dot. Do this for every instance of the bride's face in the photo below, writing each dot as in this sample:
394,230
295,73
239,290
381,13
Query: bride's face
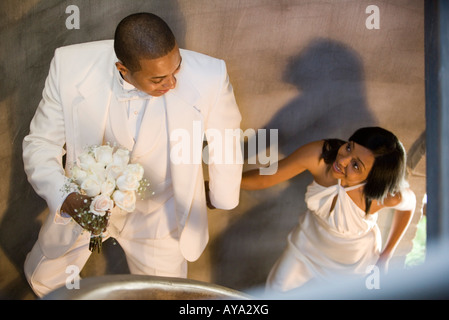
353,164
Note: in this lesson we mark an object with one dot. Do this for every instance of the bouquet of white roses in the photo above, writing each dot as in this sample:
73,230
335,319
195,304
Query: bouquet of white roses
105,174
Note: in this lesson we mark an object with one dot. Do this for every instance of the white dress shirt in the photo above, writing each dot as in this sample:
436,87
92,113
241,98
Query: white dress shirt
137,104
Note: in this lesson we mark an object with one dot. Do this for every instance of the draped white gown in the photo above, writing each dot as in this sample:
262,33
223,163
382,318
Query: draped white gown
330,240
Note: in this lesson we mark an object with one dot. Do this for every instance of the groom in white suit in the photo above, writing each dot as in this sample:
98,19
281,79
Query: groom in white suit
135,91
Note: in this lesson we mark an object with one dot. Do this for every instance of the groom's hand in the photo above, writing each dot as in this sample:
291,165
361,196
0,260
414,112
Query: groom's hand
75,203
77,206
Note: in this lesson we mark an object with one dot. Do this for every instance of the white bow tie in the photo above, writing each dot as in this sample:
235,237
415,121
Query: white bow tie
134,94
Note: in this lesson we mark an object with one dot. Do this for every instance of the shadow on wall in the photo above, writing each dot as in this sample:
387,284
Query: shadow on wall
331,104
332,101
25,72
30,31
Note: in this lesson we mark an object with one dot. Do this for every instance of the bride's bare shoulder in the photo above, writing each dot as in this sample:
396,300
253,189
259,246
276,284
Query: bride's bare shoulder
307,156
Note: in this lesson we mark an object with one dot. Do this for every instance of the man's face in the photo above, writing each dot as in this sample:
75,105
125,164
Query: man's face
157,76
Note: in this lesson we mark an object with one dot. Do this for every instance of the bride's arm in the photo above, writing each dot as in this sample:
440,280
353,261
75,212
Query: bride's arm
304,158
401,220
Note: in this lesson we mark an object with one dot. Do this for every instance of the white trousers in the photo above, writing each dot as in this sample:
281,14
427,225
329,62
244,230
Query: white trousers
149,241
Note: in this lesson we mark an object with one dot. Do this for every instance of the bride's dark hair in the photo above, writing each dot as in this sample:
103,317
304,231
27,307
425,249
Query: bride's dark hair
387,176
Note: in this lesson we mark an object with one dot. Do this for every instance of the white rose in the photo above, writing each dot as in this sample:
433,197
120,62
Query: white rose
127,182
101,204
108,187
91,186
97,169
121,157
135,169
86,160
125,200
113,170
103,154
78,175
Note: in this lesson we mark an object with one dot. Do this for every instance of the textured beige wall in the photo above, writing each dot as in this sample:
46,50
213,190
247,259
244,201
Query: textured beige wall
310,69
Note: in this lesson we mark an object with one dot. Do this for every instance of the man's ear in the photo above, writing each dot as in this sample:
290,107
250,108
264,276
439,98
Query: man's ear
120,67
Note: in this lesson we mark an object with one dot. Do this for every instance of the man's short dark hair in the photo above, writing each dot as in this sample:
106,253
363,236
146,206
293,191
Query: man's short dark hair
142,36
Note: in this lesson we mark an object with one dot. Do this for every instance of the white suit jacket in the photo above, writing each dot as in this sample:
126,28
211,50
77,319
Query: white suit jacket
73,113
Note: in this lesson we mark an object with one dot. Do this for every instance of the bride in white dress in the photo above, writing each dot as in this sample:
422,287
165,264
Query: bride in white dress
338,235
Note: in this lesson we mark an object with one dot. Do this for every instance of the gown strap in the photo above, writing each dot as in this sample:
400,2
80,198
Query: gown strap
352,187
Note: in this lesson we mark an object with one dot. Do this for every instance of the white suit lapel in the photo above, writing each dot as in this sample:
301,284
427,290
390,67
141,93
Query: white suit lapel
184,119
91,112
